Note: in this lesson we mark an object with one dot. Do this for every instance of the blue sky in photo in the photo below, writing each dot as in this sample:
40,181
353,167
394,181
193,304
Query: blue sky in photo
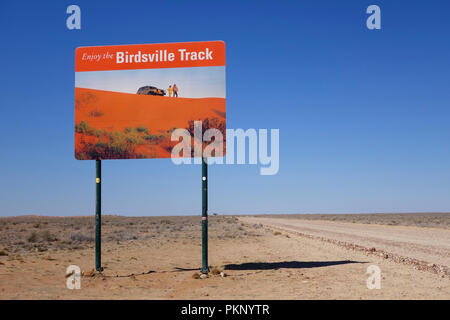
364,115
197,82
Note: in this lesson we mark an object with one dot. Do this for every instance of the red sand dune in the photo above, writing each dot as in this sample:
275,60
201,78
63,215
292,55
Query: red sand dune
121,110
115,111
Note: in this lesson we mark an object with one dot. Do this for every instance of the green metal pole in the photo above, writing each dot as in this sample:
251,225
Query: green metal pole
98,216
205,268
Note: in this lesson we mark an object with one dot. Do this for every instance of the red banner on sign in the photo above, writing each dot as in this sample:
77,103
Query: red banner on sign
150,56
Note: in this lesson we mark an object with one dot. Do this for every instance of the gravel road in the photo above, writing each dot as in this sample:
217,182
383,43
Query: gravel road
425,244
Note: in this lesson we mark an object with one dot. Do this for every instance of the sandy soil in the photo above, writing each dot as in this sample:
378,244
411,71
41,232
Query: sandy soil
158,258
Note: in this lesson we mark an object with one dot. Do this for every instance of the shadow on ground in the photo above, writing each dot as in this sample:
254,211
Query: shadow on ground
178,269
286,265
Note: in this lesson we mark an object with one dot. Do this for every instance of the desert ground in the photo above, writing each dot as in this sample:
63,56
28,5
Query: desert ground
251,257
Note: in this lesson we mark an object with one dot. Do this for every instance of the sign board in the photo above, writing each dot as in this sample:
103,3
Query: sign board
130,98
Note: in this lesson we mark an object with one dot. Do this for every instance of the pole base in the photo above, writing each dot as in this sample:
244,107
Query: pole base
205,270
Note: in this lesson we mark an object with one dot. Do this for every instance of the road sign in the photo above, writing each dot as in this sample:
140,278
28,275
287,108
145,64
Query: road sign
130,98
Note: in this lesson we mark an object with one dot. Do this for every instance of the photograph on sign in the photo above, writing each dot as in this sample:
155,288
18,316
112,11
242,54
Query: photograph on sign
129,99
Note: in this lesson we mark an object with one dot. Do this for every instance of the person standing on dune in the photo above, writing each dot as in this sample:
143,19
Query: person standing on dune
169,90
175,90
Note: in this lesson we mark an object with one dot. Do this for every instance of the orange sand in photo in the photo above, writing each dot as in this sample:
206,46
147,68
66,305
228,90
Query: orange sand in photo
155,115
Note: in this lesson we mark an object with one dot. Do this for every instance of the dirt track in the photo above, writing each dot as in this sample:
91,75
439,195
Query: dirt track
427,246
158,257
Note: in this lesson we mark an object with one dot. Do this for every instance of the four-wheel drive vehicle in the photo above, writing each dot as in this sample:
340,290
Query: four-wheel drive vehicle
153,91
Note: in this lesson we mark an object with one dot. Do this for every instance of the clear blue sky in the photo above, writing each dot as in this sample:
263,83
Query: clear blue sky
363,115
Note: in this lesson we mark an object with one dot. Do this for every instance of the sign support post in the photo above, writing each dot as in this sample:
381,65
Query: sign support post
205,268
98,216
